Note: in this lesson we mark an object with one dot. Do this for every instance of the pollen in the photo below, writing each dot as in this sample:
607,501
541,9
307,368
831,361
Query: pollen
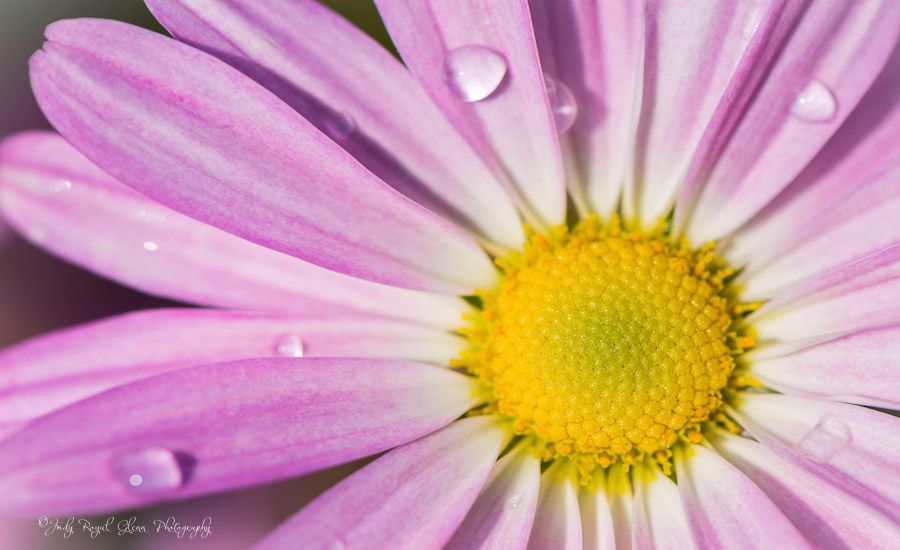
606,346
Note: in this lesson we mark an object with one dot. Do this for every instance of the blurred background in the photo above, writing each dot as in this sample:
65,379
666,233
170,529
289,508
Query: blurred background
39,293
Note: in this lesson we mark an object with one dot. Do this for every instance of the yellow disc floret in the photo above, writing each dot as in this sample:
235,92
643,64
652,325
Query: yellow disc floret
605,345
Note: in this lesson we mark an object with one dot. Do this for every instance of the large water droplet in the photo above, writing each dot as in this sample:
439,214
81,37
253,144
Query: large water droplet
150,246
340,126
562,104
752,20
473,73
815,103
148,471
289,345
827,438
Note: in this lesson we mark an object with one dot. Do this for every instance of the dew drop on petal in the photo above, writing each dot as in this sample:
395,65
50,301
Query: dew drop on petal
827,438
815,103
513,502
340,126
562,104
148,471
150,246
59,185
473,73
752,20
289,345
151,216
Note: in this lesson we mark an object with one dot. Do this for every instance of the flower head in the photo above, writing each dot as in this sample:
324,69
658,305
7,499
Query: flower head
591,273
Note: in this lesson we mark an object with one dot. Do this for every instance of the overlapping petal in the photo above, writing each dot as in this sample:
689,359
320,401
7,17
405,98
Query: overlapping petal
64,203
514,127
659,518
222,426
352,89
199,136
557,523
413,497
598,527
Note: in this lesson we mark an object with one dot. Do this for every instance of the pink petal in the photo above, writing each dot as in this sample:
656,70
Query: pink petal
352,89
57,369
64,203
845,202
503,513
659,519
202,138
726,510
218,427
850,446
828,517
825,54
593,49
862,294
513,125
857,368
598,526
557,524
413,497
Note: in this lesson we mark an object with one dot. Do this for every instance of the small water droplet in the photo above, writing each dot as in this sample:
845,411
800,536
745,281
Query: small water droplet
473,73
513,502
815,103
289,345
340,126
150,470
150,246
562,104
36,234
827,438
151,216
752,20
59,185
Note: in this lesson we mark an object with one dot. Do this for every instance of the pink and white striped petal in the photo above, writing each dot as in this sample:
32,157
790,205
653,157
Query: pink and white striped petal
852,447
557,523
60,368
827,516
197,135
488,48
219,427
860,368
356,92
659,518
805,70
598,528
413,497
592,49
726,510
67,205
503,513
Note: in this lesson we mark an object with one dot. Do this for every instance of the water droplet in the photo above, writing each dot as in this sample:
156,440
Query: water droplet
151,246
150,470
752,20
513,502
36,234
340,126
827,438
289,345
562,103
59,185
151,216
815,103
473,73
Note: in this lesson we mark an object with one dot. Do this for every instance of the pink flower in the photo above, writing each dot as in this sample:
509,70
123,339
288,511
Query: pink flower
331,207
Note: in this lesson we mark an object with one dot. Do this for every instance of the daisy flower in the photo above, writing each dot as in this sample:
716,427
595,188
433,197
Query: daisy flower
579,273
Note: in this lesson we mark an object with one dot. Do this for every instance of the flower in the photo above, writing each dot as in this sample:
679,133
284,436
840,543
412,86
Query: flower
681,348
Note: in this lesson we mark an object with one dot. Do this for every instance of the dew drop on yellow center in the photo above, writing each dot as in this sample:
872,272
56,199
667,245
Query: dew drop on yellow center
605,344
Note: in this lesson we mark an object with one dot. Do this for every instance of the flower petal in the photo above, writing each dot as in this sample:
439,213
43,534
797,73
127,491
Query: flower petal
557,523
659,518
413,497
202,138
593,49
352,89
857,368
218,427
726,510
503,513
844,200
852,447
513,125
827,516
64,203
804,71
598,528
862,294
57,369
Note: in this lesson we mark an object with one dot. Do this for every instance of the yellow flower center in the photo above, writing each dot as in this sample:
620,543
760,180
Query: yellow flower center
605,345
